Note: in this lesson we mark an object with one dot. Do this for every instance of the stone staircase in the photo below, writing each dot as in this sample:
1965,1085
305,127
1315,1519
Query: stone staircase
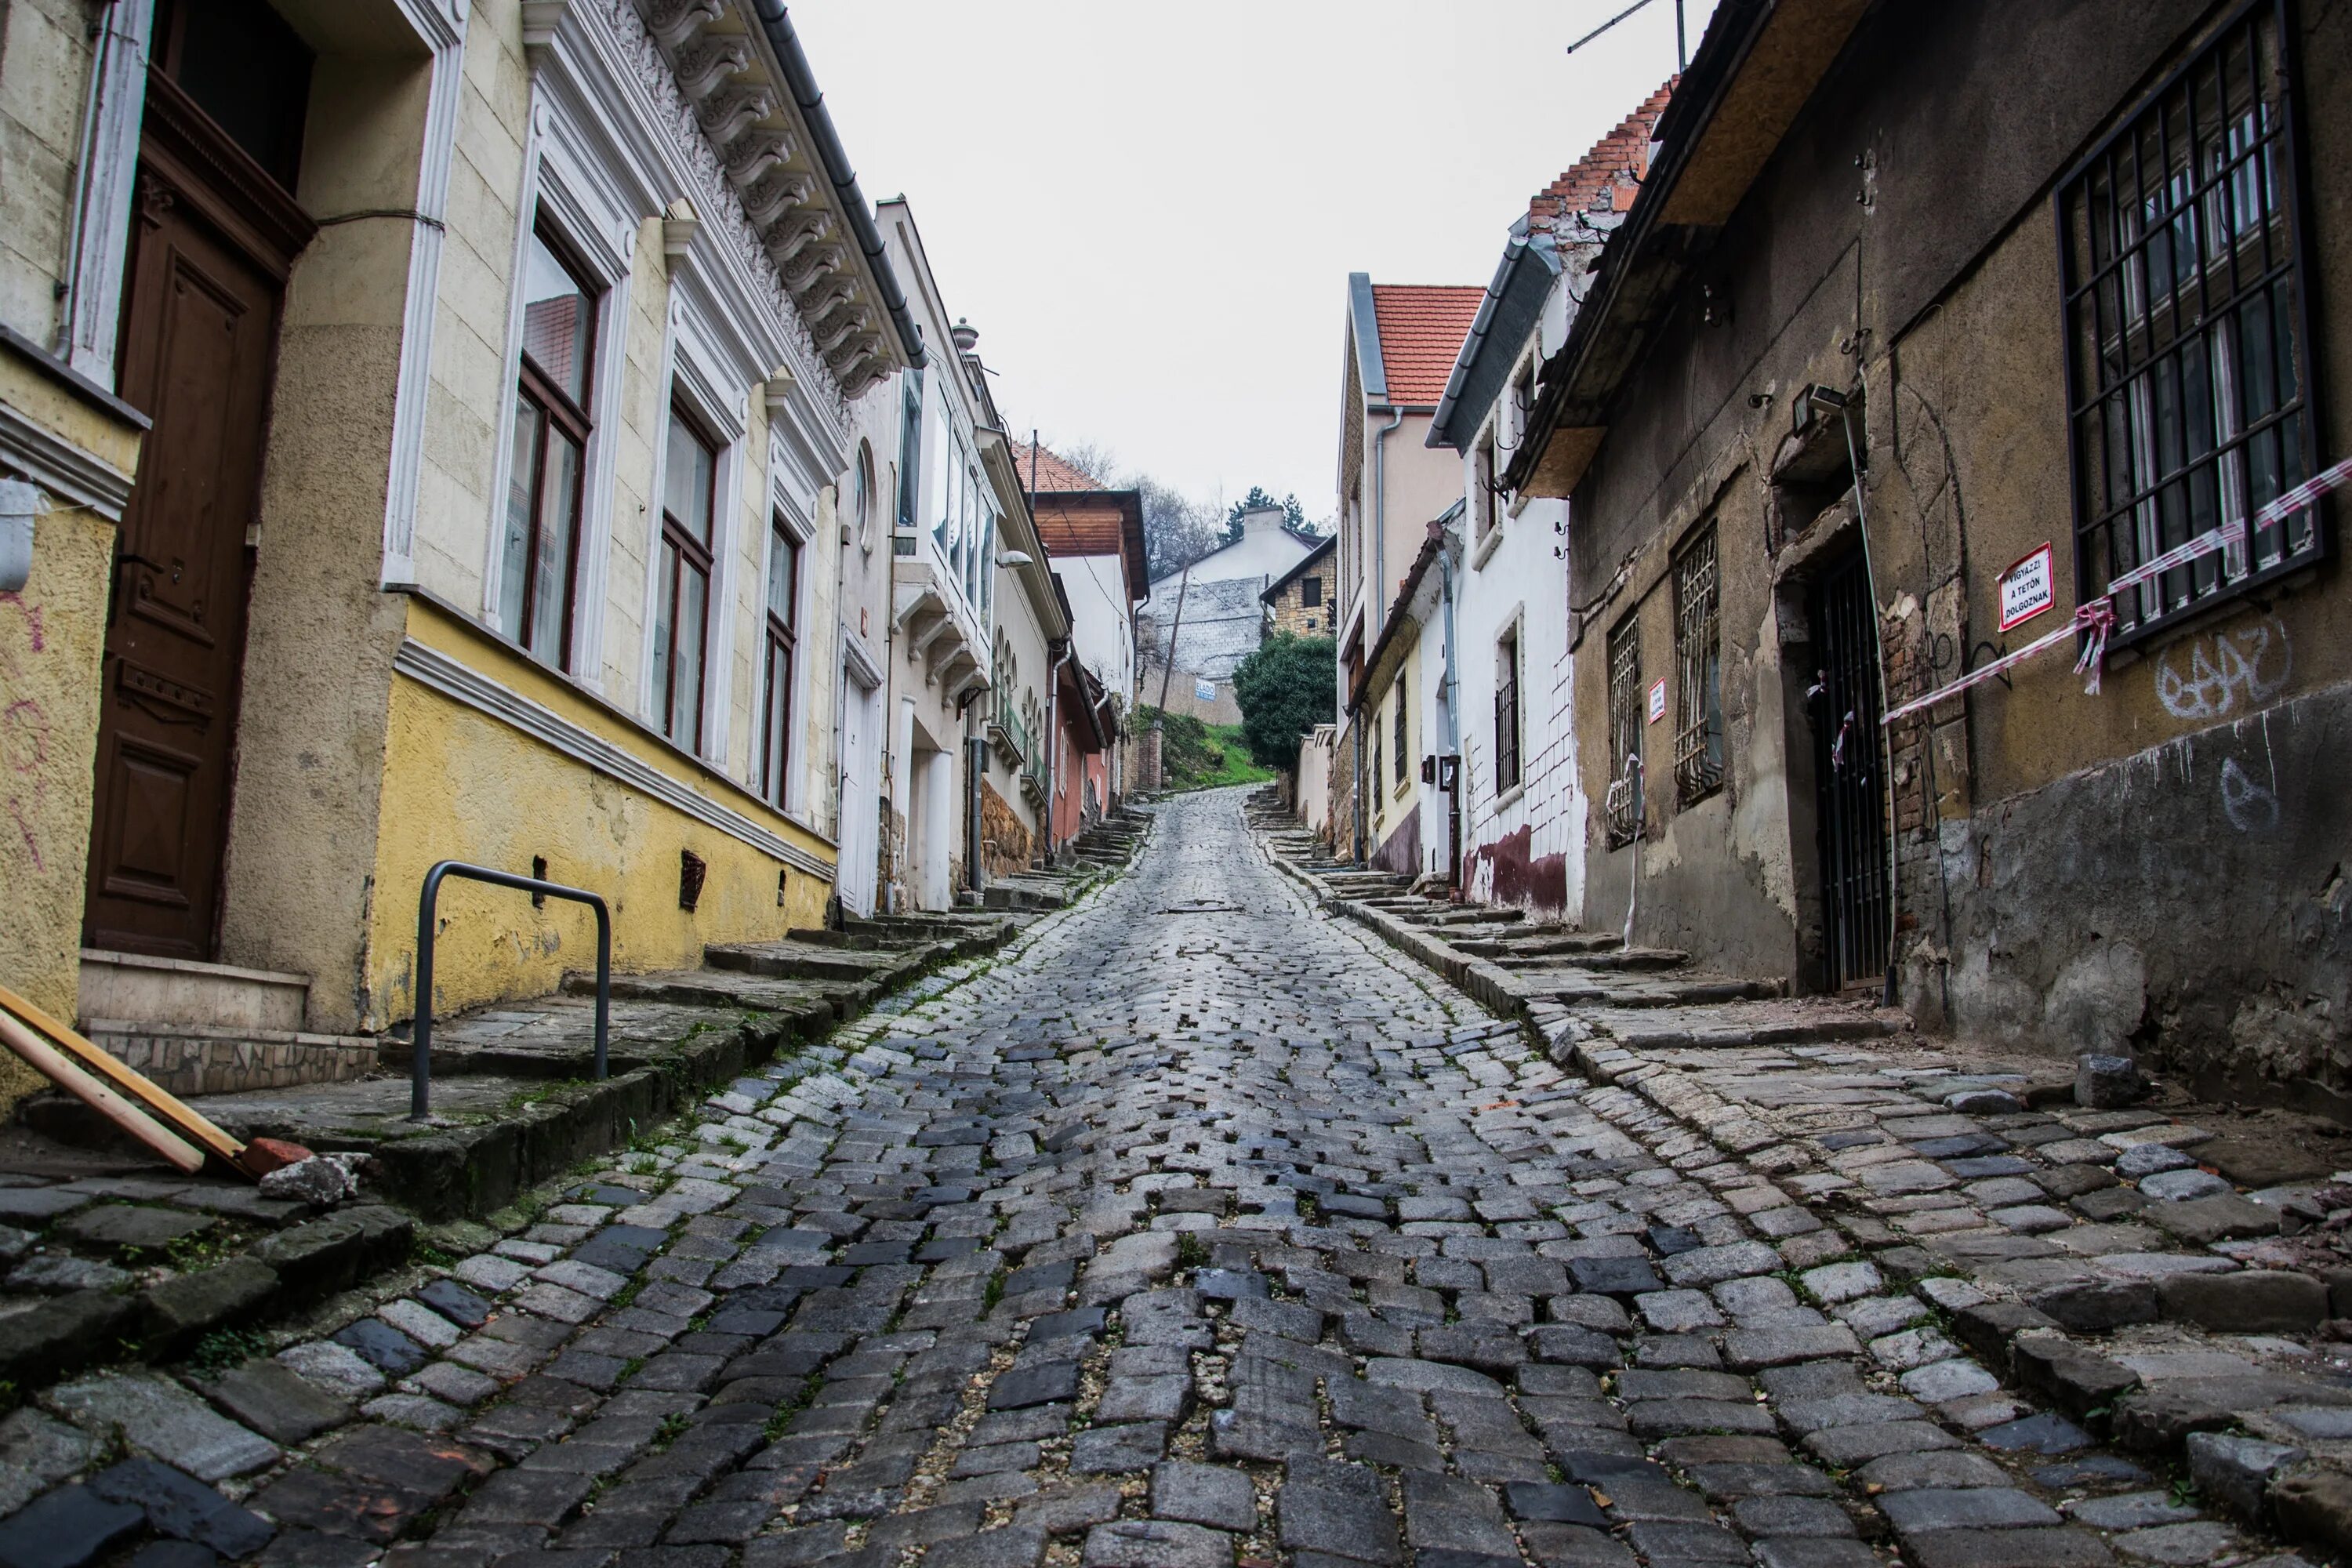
1104,847
1567,980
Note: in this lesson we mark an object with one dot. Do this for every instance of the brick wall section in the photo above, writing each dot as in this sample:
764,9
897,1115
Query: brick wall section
1004,842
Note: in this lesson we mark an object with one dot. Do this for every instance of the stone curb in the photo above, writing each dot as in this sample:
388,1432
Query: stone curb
292,1268
1489,984
2270,1485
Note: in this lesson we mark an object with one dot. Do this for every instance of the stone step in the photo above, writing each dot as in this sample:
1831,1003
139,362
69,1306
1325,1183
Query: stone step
1541,942
195,1058
732,989
1633,989
1625,958
799,961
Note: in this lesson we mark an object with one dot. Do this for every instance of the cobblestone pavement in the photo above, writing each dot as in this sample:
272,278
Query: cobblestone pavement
1195,1229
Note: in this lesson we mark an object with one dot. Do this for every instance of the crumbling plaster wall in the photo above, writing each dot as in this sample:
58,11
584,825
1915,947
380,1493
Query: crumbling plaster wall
2157,867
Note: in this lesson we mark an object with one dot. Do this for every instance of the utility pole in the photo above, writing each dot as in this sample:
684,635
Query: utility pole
1167,669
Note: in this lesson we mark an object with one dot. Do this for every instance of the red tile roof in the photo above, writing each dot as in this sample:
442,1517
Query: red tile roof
1604,180
1422,327
1054,474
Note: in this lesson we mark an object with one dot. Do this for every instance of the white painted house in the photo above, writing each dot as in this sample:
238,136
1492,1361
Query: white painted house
1501,684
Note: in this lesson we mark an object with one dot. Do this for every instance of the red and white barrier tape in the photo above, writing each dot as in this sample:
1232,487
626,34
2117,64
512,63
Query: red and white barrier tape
2096,619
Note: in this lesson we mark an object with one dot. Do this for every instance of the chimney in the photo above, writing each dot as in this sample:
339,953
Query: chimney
1262,520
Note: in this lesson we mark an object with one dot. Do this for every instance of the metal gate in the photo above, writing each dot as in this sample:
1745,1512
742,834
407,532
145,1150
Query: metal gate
1851,805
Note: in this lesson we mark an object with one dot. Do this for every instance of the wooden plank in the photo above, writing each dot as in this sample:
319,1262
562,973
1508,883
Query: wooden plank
127,1080
60,1069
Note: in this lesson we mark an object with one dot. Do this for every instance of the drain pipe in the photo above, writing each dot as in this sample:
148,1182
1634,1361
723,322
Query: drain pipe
1376,612
1052,739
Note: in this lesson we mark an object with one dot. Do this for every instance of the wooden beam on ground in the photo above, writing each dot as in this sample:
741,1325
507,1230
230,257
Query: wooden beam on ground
126,1080
61,1070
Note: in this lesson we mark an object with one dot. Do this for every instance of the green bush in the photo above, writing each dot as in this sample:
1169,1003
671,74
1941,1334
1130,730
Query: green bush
1286,688
1198,755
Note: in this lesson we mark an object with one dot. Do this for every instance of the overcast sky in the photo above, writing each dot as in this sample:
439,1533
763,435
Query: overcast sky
1149,212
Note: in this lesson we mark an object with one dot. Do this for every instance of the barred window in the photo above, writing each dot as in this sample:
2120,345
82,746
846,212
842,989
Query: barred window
2188,381
1699,672
1624,726
1506,712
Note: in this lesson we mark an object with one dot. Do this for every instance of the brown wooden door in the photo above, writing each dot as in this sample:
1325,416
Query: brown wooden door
200,321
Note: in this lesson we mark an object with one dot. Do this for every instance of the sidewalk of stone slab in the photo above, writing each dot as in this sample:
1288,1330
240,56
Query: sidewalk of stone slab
2174,1276
138,1262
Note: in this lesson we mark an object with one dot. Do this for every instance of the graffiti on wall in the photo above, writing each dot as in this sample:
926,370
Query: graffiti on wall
2218,673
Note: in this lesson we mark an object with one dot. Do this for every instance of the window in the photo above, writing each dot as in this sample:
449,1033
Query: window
1624,727
861,505
550,444
1506,712
1404,741
1482,479
776,722
2186,363
689,487
1310,592
911,449
1699,672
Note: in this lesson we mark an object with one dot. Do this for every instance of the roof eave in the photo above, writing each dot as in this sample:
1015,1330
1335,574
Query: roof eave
1690,192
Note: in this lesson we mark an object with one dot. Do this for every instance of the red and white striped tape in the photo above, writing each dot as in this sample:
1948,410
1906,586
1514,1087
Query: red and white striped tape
2096,619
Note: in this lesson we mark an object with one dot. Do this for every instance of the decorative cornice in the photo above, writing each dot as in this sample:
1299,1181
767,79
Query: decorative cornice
760,193
60,467
431,668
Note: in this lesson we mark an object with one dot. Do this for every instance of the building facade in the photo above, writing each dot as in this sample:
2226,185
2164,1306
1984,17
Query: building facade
1400,344
501,365
1518,808
1845,382
1094,537
1299,602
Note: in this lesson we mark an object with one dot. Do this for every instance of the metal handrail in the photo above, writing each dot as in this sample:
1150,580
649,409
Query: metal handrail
420,1072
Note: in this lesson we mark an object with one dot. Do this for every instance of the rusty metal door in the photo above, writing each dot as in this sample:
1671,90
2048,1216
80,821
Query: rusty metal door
1850,804
199,330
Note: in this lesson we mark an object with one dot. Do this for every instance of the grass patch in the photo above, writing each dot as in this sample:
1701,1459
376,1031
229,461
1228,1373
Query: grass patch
223,1349
1198,755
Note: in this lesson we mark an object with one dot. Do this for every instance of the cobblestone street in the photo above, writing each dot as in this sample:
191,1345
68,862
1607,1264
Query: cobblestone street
1196,1227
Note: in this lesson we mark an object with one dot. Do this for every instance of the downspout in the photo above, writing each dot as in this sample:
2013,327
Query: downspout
1376,612
1052,739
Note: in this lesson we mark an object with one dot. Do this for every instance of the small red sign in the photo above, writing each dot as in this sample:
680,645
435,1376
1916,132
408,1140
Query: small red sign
2027,589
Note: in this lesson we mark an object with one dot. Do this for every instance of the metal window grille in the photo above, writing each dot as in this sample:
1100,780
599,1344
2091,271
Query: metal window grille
2187,329
1506,712
1624,725
1699,672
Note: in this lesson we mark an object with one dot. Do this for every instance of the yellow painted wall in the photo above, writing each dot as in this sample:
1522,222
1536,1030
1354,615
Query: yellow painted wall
460,784
52,634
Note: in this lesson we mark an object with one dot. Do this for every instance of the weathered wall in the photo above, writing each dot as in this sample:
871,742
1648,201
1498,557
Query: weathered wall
45,47
52,633
1005,840
53,630
298,887
456,776
2186,904
2151,867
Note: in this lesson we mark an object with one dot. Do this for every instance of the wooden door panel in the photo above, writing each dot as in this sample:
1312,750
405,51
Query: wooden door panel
200,319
